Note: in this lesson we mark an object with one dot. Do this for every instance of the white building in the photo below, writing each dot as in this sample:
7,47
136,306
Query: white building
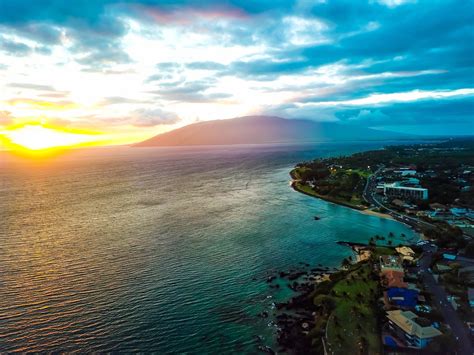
412,193
406,172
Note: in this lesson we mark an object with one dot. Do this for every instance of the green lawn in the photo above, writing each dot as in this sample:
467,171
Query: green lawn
355,201
352,324
363,173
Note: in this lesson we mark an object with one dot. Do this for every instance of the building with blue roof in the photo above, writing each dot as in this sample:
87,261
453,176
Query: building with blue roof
402,297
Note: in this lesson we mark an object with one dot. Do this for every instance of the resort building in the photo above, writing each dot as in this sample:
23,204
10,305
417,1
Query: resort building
396,190
406,326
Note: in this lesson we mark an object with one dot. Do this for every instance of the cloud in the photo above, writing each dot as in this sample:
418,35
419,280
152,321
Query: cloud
107,55
395,3
199,91
5,118
153,117
14,48
115,100
42,104
207,65
359,62
32,86
381,99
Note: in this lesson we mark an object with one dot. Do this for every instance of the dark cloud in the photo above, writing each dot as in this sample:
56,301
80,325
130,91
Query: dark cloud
14,48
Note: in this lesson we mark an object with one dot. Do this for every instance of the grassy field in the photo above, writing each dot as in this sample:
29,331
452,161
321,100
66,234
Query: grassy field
350,319
355,202
336,185
363,173
352,325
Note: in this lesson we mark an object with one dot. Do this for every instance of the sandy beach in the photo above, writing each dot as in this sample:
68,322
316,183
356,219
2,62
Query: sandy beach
377,214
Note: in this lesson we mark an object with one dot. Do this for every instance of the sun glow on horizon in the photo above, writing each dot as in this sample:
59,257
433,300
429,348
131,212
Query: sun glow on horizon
33,137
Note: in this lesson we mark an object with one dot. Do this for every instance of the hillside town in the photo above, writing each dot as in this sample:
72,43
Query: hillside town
424,293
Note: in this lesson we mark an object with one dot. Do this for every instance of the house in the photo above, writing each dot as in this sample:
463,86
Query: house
450,257
406,253
412,181
414,331
442,268
467,274
458,211
390,262
470,296
399,203
438,206
402,297
393,278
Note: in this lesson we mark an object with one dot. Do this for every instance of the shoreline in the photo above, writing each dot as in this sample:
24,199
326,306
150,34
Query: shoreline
324,198
363,210
378,214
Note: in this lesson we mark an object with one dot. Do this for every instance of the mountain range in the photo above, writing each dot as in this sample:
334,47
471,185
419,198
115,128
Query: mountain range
265,130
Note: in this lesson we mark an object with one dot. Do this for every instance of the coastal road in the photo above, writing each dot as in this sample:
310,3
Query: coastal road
459,329
369,195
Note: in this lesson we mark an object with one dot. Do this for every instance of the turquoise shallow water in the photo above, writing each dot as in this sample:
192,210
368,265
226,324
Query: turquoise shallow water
166,250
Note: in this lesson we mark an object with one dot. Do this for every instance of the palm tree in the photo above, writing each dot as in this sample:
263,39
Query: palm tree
346,263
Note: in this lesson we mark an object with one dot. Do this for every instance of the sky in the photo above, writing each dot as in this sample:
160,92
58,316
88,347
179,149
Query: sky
123,71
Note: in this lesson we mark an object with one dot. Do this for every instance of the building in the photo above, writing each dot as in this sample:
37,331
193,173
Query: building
393,278
406,253
396,190
406,172
450,257
467,274
402,297
412,182
470,296
406,326
390,262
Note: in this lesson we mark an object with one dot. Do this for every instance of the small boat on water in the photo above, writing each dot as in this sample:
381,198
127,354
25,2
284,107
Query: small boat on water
316,218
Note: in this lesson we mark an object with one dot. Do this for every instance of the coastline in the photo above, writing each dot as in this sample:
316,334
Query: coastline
325,198
361,209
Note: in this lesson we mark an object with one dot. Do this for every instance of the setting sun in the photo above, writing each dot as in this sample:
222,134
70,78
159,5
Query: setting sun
37,137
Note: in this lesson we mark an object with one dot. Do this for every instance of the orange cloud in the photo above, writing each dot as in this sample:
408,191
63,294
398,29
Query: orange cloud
42,104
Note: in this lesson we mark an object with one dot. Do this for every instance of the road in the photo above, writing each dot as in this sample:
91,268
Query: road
369,195
460,332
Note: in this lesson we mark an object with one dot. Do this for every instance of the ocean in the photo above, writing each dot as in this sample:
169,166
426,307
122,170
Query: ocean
161,250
